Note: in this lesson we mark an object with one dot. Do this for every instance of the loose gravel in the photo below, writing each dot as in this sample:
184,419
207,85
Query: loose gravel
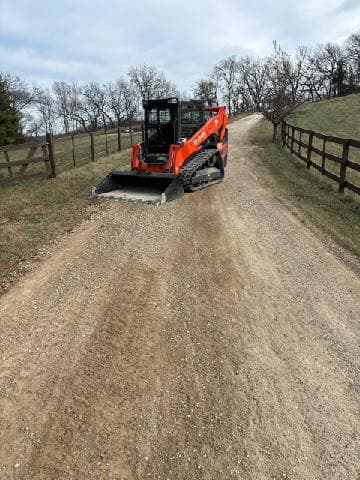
214,337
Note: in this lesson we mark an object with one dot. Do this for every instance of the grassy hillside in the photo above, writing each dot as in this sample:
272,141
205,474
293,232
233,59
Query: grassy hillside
339,116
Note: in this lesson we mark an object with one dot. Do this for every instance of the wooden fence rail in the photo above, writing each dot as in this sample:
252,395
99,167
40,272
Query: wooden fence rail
17,169
297,144
22,162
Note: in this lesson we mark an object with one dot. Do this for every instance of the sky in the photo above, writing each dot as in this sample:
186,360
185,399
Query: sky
89,40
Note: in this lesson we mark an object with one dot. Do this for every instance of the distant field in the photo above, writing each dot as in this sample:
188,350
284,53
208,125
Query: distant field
339,117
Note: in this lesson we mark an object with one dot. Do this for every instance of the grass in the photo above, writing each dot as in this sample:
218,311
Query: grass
316,197
339,117
34,212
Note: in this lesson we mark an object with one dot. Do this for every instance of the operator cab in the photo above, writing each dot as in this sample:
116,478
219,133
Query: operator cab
166,122
192,117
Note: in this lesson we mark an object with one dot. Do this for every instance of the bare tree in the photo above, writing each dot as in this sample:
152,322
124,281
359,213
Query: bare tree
88,113
352,51
312,80
66,102
206,90
254,72
352,46
278,100
22,95
295,70
47,110
241,100
329,63
36,126
225,72
122,100
276,107
95,97
151,83
131,102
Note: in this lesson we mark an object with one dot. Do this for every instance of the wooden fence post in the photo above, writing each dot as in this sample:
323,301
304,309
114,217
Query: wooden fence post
73,150
299,149
51,152
292,139
45,156
119,139
106,143
288,136
309,150
8,161
344,162
323,157
92,147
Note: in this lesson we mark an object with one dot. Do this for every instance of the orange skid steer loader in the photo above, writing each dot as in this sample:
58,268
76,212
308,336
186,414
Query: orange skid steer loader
184,148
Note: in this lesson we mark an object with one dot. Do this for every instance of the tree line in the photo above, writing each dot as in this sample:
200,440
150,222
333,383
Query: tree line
276,84
273,85
68,107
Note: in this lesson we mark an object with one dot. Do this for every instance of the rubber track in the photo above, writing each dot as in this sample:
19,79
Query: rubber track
194,164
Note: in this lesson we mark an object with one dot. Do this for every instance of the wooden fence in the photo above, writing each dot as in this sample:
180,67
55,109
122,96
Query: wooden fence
300,140
22,162
33,154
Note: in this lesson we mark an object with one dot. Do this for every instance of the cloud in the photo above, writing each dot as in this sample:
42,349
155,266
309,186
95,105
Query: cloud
347,6
32,62
92,40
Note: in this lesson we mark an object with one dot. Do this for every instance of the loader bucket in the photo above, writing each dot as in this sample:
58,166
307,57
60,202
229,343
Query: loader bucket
154,188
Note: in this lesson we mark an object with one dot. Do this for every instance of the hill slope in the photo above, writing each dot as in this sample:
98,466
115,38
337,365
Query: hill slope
339,116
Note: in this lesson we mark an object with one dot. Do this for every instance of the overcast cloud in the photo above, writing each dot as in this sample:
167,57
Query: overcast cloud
87,40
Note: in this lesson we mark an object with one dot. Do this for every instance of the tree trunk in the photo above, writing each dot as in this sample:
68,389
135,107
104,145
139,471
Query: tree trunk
229,105
274,132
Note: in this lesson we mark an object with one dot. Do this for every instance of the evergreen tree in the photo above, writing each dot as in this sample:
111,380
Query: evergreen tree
9,123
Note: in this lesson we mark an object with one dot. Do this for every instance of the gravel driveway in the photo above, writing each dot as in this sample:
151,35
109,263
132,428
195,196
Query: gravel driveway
215,337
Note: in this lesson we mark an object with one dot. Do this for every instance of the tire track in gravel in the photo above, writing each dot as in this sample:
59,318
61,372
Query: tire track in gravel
214,337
